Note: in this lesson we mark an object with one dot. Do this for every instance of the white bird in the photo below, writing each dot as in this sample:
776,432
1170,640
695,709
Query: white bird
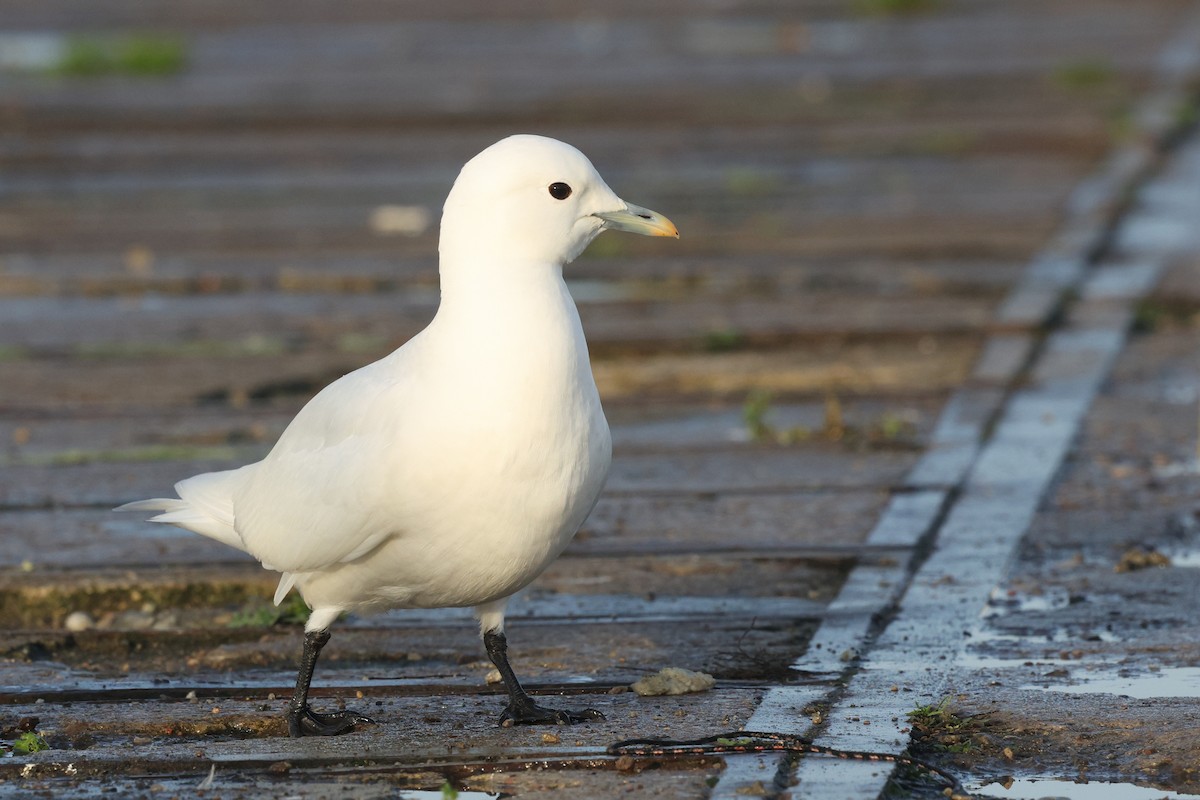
452,472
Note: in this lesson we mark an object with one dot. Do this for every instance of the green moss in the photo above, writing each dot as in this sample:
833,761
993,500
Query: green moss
748,182
361,343
1187,114
151,55
40,606
894,7
946,142
11,352
129,455
85,58
724,340
253,345
611,246
139,55
1084,75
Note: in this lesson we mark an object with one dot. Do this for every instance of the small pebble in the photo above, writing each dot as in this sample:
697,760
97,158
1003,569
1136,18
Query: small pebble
549,738
493,677
78,621
191,696
141,740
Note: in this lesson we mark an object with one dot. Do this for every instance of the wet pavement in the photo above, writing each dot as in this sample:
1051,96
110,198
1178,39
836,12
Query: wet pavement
905,422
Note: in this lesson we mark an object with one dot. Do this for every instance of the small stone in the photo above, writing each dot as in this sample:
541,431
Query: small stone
78,621
134,621
618,690
550,738
625,764
191,696
280,768
165,621
493,676
271,696
674,680
142,740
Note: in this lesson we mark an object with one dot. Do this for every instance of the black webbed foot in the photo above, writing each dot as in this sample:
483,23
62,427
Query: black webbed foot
301,719
530,713
521,709
307,722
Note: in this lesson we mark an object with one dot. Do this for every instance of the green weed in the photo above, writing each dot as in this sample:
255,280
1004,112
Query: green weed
940,724
28,742
292,611
754,415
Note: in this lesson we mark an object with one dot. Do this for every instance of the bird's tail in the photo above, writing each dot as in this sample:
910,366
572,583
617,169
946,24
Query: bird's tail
205,507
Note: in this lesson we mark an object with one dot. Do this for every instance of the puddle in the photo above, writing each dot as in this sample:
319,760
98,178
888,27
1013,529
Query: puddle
1003,601
1170,682
983,637
1178,469
1187,559
1038,788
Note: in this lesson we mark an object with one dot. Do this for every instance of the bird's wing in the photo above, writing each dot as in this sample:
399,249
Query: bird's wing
321,495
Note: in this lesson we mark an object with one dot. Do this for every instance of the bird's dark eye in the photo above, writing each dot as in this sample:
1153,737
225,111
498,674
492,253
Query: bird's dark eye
560,191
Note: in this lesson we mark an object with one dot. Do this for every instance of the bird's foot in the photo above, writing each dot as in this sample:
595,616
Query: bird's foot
530,713
307,722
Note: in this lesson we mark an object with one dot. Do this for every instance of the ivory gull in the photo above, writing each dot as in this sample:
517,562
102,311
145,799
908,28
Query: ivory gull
456,469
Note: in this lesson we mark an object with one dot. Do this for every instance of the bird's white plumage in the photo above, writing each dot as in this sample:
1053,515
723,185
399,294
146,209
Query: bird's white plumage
453,471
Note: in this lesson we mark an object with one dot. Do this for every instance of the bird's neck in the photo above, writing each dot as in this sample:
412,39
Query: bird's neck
495,305
511,345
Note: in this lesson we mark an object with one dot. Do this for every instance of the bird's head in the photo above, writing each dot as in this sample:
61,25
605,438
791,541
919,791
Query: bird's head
535,200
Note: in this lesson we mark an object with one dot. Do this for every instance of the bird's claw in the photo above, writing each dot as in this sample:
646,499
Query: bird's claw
307,722
531,713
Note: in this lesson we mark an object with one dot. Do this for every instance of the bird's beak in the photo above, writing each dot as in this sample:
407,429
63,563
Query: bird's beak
636,219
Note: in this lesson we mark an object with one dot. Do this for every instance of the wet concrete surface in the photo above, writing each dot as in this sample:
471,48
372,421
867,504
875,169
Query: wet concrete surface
908,240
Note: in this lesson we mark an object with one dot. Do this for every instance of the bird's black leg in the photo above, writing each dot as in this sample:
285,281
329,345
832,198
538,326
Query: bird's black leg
302,720
521,709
